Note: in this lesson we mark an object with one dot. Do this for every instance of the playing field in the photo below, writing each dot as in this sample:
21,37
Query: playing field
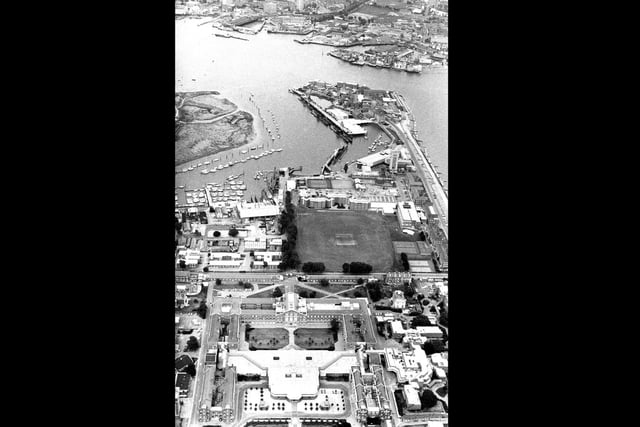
336,237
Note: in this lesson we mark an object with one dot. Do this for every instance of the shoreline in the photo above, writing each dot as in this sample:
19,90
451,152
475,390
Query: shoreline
197,137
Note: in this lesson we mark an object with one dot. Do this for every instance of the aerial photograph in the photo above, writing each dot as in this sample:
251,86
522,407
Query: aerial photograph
311,213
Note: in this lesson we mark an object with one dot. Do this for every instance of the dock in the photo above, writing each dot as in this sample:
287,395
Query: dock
335,156
342,131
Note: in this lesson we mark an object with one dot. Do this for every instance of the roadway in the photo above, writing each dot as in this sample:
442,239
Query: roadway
199,381
424,167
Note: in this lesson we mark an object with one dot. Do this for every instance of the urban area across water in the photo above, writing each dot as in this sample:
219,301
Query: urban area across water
311,213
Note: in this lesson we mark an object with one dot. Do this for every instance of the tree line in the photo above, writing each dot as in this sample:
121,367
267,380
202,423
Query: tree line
356,267
290,258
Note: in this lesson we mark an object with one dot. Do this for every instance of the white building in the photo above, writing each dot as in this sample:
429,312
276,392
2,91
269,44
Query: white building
231,260
393,160
292,307
409,366
412,397
257,210
407,214
398,300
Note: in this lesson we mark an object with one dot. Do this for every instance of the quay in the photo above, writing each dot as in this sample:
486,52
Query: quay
343,131
425,168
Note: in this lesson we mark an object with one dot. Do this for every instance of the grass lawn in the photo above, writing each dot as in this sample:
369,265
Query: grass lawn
322,237
314,338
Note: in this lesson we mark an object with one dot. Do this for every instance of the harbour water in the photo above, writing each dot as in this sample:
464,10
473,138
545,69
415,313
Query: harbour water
267,66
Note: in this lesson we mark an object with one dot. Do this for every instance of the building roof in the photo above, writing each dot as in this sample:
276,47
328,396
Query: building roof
251,210
182,380
293,381
412,396
183,361
259,362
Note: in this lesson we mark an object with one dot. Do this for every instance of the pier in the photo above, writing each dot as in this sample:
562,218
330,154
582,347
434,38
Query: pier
325,117
335,156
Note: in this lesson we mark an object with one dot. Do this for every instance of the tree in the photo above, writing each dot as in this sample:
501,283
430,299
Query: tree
218,282
409,291
193,344
216,233
345,267
444,317
313,267
431,347
202,310
360,281
335,325
252,254
420,320
312,294
183,264
190,369
303,294
211,210
206,269
324,282
233,232
277,293
428,399
357,267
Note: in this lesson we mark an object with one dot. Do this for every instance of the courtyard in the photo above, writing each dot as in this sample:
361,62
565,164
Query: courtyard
267,338
314,338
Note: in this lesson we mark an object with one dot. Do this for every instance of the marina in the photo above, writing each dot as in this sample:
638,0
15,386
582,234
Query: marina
298,138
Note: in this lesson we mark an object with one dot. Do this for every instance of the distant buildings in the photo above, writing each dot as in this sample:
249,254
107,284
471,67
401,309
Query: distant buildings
270,7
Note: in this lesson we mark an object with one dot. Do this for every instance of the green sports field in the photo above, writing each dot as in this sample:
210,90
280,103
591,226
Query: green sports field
336,237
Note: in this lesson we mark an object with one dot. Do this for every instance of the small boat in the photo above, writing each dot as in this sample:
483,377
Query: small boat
184,170
216,160
278,149
244,151
181,186
204,171
253,148
207,162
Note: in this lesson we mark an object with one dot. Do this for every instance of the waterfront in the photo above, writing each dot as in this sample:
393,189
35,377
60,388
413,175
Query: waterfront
271,64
